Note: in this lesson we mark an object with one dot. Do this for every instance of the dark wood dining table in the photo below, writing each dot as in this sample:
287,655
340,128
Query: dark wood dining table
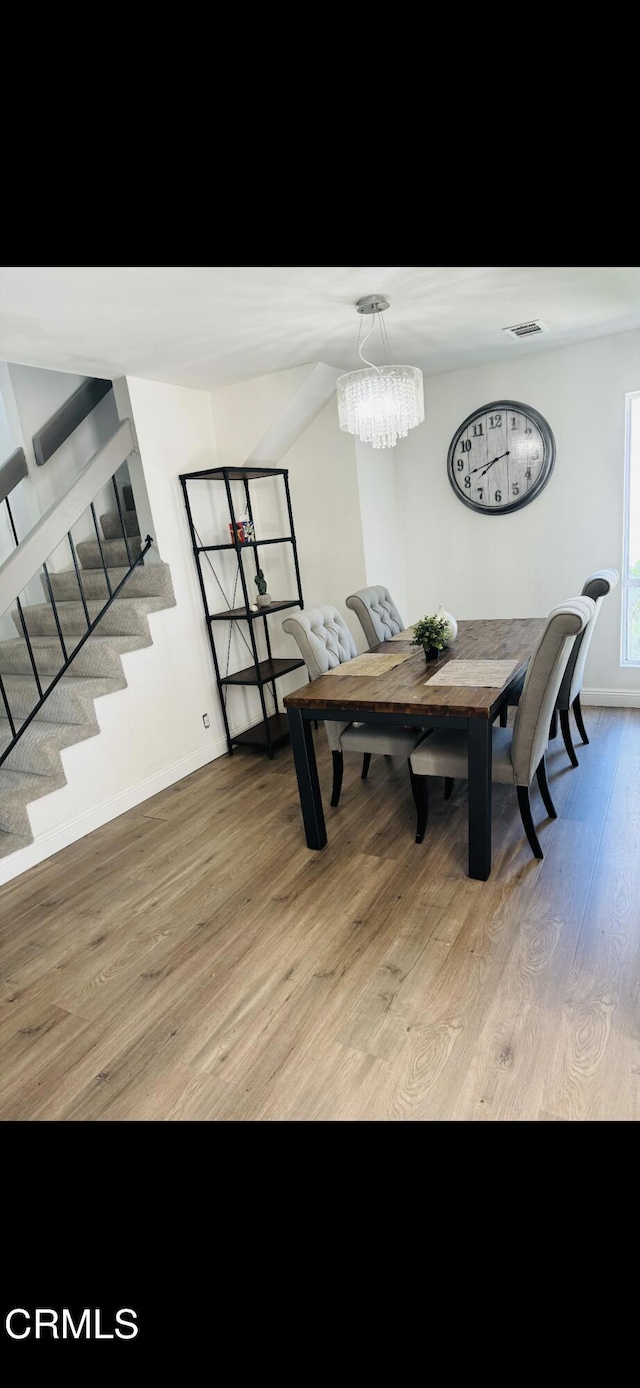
401,697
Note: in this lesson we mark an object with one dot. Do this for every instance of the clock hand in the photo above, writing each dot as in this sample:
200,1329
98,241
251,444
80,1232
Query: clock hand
488,465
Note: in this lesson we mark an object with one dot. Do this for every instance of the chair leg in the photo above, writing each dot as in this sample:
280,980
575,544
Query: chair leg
504,714
553,728
366,763
420,788
543,787
577,709
338,768
527,819
448,787
566,733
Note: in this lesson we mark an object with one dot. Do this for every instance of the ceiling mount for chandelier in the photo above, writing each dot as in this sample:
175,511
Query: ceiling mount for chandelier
381,403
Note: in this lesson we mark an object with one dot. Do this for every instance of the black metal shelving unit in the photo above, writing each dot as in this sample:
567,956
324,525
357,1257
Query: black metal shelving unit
273,728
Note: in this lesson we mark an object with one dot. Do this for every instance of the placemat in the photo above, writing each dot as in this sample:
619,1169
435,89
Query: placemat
487,674
402,636
376,664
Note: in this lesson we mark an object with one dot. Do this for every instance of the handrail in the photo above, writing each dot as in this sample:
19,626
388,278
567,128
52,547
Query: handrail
54,525
67,418
17,733
12,471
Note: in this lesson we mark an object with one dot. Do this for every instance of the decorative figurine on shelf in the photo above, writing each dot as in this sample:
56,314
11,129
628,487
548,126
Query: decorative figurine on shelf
431,633
261,584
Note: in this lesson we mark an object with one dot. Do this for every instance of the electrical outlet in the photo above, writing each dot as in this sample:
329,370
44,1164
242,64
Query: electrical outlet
205,719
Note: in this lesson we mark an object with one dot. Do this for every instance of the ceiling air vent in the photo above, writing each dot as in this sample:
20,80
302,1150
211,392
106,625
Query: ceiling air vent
527,329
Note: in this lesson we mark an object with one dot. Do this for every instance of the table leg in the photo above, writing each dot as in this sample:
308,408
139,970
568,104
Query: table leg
304,756
480,747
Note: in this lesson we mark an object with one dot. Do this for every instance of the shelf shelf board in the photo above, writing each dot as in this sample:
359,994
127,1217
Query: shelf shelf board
247,544
257,737
234,474
267,671
236,614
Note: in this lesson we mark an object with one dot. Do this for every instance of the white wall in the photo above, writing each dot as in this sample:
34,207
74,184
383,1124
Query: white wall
524,563
385,531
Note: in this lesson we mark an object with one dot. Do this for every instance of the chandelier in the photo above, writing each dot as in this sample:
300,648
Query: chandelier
382,403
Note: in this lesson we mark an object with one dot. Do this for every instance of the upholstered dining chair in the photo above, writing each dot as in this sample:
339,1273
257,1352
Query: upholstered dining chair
324,641
518,753
377,614
596,586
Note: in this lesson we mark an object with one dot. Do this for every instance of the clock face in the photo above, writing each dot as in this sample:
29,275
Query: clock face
501,457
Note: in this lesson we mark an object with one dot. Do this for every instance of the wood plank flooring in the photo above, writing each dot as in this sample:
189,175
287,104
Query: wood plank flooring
193,960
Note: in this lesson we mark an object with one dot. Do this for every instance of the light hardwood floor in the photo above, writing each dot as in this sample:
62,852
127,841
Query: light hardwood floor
193,960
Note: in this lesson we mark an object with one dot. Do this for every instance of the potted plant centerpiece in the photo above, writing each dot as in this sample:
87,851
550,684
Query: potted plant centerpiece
431,633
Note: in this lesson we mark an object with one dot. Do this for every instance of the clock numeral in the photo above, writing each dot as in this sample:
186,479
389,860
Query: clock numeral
498,496
528,430
480,491
495,420
513,422
466,445
460,464
528,474
477,431
467,481
534,456
515,489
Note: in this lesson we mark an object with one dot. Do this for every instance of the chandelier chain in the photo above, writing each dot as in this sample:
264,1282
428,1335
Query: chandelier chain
364,343
357,352
386,338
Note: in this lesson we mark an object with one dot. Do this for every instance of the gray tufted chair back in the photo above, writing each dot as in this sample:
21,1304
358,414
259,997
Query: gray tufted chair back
543,679
324,641
377,614
596,586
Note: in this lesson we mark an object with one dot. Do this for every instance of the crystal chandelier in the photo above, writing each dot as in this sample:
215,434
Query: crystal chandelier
382,403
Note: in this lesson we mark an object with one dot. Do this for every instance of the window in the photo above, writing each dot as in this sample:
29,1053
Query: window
631,552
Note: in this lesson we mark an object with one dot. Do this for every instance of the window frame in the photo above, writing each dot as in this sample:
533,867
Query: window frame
629,584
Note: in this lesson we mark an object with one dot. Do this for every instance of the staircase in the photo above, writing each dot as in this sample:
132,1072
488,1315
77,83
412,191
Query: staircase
34,766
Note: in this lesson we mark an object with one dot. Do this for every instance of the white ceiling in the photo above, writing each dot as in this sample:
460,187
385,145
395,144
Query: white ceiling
210,325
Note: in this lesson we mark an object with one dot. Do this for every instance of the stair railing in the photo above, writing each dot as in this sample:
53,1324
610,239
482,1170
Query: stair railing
52,434
32,554
12,472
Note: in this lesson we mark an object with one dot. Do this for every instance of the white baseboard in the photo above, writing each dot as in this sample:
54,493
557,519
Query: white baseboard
55,839
611,698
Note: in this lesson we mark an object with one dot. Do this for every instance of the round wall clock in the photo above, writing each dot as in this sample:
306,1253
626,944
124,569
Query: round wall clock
501,457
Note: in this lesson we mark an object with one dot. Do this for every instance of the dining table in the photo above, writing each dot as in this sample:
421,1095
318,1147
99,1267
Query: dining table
404,696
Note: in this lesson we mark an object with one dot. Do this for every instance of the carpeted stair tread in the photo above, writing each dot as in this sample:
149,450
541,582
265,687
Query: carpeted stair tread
10,843
125,617
18,789
146,580
40,745
112,525
99,656
70,702
114,551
